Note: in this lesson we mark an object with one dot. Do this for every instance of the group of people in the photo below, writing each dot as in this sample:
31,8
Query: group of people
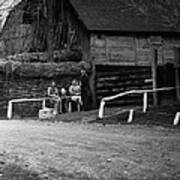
78,92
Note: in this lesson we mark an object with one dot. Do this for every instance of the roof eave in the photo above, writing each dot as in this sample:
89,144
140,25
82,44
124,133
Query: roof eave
131,31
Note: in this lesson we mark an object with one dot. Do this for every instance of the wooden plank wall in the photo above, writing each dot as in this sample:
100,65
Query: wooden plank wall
124,63
130,50
111,80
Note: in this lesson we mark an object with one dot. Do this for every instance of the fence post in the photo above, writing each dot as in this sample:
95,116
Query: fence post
176,119
145,102
9,111
131,114
43,103
154,75
177,83
101,109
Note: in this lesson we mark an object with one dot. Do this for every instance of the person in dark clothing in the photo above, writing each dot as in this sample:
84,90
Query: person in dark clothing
85,90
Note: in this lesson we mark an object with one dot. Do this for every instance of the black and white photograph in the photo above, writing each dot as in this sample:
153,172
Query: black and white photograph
89,89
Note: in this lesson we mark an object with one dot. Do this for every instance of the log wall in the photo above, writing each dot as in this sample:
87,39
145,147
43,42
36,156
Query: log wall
111,80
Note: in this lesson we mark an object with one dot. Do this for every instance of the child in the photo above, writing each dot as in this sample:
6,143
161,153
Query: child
75,92
64,99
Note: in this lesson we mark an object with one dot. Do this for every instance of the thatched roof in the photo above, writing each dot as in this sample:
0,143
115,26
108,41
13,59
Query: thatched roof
37,65
42,57
42,70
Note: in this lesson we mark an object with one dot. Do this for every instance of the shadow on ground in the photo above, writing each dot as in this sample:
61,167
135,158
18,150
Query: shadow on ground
14,172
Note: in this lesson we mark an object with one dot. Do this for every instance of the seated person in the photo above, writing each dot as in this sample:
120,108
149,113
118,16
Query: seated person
54,95
75,92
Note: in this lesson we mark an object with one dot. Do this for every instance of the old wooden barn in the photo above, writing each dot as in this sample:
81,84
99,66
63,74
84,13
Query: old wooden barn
121,41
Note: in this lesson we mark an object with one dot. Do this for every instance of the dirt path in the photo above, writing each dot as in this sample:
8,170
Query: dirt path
77,151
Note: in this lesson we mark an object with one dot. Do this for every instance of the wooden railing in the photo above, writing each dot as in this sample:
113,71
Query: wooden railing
11,102
43,100
145,98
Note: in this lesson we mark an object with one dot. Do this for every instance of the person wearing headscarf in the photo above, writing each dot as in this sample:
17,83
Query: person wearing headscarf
85,90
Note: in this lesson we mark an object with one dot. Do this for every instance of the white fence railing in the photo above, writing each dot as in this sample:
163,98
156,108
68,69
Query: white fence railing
145,98
11,102
43,100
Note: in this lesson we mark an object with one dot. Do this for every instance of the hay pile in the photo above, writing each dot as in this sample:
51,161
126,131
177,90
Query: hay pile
42,70
58,56
36,65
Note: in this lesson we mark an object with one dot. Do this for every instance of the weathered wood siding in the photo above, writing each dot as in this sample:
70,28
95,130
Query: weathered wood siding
124,63
111,80
130,50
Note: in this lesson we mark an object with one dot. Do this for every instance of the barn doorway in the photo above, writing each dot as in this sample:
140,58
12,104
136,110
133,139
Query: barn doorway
166,75
166,78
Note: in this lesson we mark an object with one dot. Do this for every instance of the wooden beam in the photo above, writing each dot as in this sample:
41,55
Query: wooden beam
177,83
177,74
110,98
10,104
136,51
154,75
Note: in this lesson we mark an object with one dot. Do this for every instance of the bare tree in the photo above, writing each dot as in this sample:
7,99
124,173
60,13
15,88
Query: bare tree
168,10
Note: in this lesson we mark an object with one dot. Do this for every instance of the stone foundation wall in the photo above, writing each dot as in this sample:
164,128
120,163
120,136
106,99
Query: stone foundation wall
28,75
27,88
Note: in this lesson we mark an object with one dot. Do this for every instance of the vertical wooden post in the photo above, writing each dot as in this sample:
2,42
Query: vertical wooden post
177,83
101,110
44,103
177,74
93,85
154,75
156,42
145,102
131,115
10,109
176,119
135,51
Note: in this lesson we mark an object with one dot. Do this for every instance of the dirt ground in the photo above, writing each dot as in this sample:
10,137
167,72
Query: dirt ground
90,151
